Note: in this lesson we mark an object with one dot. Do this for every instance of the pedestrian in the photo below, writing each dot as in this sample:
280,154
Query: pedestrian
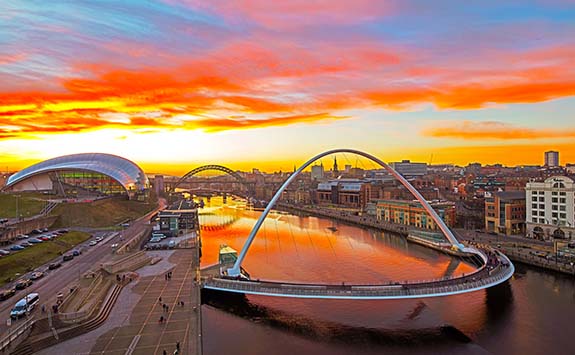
165,352
178,346
43,308
161,319
160,299
167,308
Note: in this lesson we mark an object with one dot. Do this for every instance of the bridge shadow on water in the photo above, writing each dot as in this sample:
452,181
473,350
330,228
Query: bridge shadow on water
333,332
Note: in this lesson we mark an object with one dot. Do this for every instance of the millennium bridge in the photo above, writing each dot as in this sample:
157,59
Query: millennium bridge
494,267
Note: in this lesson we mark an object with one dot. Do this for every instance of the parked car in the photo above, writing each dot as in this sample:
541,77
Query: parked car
5,294
44,238
63,231
34,240
92,243
16,248
54,266
36,275
45,230
155,240
21,236
26,244
36,231
76,252
172,244
22,284
99,239
67,257
4,252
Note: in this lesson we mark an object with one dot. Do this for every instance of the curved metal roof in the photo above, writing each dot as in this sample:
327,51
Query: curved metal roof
123,170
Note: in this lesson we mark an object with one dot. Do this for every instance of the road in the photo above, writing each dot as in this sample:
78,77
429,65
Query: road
58,280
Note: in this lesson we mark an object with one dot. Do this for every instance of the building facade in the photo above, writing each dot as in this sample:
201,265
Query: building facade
551,158
407,168
505,213
345,193
550,208
412,213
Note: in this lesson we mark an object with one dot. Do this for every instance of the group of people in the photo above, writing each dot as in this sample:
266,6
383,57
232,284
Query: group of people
177,351
168,276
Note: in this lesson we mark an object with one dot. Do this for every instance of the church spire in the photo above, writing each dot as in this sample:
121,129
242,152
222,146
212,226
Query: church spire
335,165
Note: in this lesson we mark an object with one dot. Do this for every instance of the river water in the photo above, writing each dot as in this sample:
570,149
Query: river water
534,313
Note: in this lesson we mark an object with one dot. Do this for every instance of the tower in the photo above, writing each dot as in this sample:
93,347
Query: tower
335,165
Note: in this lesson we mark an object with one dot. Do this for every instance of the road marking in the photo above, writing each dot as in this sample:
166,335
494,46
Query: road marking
133,345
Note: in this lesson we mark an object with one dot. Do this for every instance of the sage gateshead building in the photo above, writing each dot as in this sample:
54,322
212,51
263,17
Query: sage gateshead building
87,174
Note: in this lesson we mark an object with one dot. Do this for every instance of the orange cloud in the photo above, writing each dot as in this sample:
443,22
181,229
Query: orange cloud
493,130
283,83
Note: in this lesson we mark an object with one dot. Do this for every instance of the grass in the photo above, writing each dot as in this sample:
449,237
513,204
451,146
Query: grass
101,213
29,204
32,257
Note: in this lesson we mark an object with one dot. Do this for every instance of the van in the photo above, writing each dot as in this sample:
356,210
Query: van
25,305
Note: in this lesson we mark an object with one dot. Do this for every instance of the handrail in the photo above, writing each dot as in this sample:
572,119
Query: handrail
14,334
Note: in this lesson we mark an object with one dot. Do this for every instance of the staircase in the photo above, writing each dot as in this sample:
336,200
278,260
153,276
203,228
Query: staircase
31,345
48,208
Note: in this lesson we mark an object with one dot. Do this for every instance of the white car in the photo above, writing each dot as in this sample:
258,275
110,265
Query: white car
92,243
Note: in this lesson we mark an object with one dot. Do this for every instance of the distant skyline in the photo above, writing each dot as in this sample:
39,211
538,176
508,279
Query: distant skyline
253,83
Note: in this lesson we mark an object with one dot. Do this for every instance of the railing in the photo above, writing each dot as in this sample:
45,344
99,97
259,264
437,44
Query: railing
14,334
489,277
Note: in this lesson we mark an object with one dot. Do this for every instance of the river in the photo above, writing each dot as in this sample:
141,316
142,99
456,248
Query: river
533,313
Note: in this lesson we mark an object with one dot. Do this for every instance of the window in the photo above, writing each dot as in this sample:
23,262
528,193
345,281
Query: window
554,193
541,220
534,220
554,207
562,200
534,198
554,214
554,200
562,193
563,215
541,199
562,208
541,206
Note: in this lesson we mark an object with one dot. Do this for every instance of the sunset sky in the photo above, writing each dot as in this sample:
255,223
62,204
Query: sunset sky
256,83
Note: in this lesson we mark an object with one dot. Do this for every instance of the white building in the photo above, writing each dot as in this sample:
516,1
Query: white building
551,158
550,208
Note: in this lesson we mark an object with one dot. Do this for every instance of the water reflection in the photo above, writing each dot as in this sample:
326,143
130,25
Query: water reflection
531,314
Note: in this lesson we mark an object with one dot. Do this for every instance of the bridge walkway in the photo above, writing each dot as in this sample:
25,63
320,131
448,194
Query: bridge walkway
497,270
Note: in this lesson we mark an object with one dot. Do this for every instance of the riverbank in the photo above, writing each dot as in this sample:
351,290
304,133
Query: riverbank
517,253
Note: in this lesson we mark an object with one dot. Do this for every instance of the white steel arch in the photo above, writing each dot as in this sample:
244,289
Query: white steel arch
235,270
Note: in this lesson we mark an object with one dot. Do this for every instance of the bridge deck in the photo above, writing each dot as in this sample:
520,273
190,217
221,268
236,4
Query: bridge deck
498,270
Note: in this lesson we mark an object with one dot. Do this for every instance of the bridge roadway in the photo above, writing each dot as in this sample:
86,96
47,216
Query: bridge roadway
497,269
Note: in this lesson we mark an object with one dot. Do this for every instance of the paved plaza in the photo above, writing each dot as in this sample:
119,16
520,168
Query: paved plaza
134,325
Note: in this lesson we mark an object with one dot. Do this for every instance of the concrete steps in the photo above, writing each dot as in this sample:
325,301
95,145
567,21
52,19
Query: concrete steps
30,346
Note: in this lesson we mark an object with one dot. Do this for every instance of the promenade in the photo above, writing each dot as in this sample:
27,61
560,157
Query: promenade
134,325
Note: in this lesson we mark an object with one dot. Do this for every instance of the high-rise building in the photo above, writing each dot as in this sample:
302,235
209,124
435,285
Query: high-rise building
551,158
550,208
317,172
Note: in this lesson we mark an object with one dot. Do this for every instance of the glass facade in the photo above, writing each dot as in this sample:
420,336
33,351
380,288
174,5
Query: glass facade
75,181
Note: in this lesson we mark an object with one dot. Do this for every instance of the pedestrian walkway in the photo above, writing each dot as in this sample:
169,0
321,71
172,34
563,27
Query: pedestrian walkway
156,295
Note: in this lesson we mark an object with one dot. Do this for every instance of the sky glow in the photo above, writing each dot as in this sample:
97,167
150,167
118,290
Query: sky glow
254,83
